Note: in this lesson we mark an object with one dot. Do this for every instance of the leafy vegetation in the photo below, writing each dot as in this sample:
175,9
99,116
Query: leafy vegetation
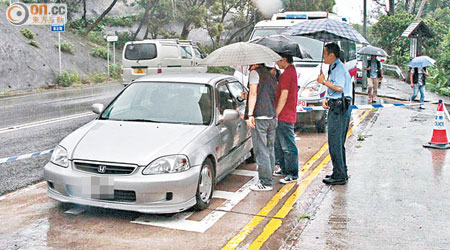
386,33
66,47
27,33
220,70
100,51
114,71
34,43
97,38
66,79
97,77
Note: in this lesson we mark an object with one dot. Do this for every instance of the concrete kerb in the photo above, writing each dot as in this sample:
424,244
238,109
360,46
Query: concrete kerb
19,93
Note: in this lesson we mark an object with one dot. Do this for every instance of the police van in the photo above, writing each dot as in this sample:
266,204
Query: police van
146,57
310,92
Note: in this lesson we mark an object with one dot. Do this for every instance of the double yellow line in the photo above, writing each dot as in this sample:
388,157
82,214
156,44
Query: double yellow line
276,221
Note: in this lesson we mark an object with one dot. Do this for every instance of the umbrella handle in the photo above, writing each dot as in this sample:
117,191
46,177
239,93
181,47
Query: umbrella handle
321,58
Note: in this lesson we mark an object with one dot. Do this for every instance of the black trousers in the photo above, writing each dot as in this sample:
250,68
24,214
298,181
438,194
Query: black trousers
338,123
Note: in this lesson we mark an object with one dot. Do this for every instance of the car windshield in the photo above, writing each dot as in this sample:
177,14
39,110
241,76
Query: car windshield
312,46
182,103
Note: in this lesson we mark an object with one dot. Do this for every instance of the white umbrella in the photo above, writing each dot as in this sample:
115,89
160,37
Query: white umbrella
241,54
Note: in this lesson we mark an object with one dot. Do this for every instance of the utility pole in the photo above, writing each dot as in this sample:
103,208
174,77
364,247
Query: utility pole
365,18
364,62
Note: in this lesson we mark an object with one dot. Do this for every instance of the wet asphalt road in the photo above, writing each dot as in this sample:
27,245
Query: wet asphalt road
38,107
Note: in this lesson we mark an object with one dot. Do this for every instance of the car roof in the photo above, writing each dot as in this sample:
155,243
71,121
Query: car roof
203,78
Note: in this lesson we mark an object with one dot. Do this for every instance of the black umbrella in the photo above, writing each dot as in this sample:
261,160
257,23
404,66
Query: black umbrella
372,51
282,45
326,30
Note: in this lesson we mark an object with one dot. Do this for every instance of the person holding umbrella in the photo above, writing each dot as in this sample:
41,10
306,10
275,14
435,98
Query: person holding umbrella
418,74
375,75
417,78
263,122
338,99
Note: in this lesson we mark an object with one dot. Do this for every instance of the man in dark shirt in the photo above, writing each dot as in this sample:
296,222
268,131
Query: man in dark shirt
286,152
262,121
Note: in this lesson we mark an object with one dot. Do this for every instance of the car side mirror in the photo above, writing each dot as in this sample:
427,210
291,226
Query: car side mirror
229,115
97,108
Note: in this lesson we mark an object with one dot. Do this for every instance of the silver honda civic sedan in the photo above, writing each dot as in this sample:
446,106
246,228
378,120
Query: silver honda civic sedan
159,147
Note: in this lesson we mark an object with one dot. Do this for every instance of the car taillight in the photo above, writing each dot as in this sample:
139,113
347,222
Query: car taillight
159,70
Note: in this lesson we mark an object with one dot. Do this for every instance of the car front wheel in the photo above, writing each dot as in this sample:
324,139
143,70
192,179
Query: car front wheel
205,186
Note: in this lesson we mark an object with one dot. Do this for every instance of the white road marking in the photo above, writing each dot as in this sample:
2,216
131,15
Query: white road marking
23,190
180,221
44,122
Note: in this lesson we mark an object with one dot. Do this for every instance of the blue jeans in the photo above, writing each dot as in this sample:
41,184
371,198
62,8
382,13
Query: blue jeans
416,89
286,152
263,139
338,123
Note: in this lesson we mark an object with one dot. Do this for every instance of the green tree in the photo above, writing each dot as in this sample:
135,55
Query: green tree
387,33
191,13
308,5
217,12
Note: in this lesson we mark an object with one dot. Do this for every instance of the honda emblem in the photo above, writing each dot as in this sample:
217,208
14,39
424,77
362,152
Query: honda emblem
101,169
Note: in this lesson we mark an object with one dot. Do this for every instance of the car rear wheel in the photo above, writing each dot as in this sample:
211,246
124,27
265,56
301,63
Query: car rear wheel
205,186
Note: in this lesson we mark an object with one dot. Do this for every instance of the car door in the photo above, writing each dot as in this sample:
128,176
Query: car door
186,58
228,130
236,89
198,57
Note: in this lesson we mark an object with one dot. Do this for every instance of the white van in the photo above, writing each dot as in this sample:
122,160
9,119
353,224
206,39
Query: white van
141,58
310,92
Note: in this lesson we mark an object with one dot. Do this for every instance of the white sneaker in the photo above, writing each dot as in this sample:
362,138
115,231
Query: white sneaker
260,187
288,179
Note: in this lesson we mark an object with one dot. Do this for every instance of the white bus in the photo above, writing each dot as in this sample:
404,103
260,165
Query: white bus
310,92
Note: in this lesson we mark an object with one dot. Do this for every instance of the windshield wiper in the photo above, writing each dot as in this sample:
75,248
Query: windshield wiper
140,120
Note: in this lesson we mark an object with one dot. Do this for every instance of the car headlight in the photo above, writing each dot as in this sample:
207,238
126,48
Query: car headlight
167,164
311,89
59,157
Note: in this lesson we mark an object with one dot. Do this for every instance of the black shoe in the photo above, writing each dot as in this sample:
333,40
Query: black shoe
328,176
331,181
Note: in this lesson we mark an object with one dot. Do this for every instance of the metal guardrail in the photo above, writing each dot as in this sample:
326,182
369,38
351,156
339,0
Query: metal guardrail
394,68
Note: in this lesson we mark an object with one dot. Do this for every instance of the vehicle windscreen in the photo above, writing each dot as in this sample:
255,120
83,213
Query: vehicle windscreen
141,51
164,102
313,46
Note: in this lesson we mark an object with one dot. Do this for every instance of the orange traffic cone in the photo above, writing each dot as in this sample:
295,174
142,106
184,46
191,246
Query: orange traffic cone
439,139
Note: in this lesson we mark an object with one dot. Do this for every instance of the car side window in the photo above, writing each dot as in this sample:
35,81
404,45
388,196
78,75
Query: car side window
224,99
236,90
197,53
186,52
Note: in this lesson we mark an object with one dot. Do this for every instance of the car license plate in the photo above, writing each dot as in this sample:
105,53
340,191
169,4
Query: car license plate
139,71
301,105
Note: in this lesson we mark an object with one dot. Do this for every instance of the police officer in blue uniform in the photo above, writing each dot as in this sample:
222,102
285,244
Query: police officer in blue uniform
338,99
